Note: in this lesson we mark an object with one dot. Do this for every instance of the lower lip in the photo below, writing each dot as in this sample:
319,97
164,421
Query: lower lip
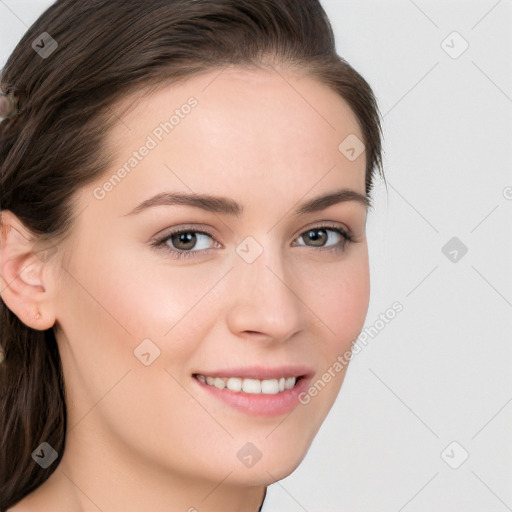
259,404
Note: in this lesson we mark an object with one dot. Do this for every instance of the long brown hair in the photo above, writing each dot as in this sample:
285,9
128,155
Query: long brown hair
107,49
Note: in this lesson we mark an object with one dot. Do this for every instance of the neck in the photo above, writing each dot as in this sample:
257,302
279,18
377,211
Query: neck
92,476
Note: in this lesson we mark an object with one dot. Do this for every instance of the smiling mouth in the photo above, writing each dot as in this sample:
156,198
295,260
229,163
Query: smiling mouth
250,386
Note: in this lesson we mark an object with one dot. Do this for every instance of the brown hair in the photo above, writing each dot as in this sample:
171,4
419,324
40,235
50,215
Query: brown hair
108,49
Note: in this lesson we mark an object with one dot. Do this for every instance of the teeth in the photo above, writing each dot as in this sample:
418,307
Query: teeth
289,383
234,384
270,387
219,383
251,386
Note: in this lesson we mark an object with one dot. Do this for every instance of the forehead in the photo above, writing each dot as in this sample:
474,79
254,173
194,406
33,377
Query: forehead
233,99
249,132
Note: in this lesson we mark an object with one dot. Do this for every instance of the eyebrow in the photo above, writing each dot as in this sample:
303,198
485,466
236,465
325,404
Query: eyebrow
227,206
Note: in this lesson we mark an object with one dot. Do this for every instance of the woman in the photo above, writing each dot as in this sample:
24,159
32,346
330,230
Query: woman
184,264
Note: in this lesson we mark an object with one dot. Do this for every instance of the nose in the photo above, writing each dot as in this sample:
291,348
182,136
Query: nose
263,301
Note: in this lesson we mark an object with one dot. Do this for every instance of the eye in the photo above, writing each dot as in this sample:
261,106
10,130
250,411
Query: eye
327,238
189,243
181,242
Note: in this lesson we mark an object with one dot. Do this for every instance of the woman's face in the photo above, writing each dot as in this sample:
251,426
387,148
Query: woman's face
264,295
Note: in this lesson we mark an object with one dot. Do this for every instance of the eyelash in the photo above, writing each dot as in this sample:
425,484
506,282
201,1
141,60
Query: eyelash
161,243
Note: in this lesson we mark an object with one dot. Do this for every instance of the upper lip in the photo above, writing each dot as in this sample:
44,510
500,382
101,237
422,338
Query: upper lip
260,372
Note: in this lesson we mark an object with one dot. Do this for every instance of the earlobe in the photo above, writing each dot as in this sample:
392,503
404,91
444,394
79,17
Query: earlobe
22,275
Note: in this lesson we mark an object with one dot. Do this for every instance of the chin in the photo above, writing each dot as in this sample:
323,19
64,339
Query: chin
278,460
265,474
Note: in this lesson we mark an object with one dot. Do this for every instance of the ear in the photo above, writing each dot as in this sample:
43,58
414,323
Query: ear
25,280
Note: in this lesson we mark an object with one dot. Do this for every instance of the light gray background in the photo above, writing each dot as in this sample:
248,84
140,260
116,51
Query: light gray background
440,370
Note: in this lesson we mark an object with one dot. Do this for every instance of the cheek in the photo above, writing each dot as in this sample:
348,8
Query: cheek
350,300
114,299
165,302
339,294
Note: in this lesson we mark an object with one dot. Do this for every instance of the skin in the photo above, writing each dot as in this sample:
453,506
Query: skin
148,437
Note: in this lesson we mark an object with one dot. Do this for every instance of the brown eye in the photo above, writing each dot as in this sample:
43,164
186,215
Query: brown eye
326,238
188,240
184,241
318,239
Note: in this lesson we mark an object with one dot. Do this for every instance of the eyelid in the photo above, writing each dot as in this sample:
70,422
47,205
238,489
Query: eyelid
324,224
197,228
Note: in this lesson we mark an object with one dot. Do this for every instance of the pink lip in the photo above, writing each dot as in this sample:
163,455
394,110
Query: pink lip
260,404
